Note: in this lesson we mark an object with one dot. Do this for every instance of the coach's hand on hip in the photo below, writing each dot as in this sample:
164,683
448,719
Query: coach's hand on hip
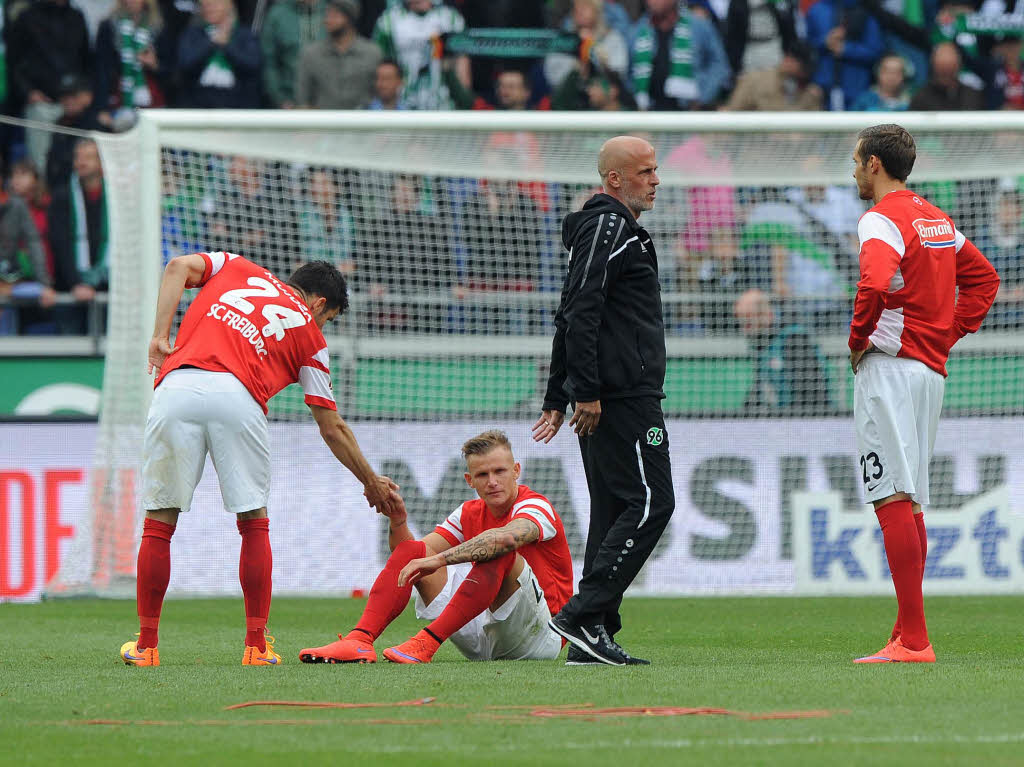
585,417
547,425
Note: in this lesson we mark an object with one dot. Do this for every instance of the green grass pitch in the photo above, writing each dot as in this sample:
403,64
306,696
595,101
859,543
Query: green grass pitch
59,670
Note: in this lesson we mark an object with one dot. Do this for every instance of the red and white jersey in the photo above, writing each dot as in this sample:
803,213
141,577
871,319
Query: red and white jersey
246,322
912,261
548,557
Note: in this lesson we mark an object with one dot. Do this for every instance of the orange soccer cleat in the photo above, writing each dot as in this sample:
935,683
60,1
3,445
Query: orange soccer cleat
895,652
418,649
345,650
133,656
253,656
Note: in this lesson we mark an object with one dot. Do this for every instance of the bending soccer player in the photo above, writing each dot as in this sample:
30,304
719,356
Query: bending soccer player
923,287
245,336
489,577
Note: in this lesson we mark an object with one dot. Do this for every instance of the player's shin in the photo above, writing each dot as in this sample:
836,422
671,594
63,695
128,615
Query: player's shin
154,573
255,567
903,551
476,593
387,599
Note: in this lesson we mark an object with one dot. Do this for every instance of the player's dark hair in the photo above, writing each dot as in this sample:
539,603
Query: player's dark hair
322,278
485,443
894,147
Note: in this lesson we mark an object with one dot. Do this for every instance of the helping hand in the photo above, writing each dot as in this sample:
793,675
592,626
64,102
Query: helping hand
547,425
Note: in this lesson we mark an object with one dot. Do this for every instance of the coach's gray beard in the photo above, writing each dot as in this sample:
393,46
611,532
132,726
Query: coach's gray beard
638,204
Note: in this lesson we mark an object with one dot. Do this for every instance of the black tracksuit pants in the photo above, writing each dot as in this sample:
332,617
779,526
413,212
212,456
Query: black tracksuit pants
629,475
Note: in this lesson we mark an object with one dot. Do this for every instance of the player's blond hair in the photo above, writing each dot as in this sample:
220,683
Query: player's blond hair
485,443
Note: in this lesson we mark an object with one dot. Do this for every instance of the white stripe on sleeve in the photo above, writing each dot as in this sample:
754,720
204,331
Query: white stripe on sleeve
315,382
541,512
960,240
217,261
875,226
323,358
453,525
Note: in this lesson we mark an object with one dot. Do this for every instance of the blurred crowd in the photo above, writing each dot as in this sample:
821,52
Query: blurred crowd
89,65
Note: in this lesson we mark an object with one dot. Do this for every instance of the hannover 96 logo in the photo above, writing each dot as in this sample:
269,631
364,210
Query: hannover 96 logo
655,436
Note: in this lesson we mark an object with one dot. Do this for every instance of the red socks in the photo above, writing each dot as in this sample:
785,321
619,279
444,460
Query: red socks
474,595
922,535
154,573
255,564
903,549
386,600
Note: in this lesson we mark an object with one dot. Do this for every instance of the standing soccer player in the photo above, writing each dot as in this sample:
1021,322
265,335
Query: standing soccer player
245,337
608,359
923,287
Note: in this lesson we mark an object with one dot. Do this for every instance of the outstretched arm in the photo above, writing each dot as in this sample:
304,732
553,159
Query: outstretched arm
380,491
489,545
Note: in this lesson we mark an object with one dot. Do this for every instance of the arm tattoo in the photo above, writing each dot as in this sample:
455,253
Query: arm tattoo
492,544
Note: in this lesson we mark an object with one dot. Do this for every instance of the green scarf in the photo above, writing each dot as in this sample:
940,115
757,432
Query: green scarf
218,73
134,39
92,271
680,83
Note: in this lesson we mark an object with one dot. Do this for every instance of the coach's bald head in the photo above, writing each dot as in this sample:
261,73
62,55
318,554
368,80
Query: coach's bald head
627,166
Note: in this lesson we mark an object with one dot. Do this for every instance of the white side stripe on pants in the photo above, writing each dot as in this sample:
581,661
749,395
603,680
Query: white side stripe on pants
643,478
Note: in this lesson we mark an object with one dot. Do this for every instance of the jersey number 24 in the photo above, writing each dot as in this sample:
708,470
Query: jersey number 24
279,318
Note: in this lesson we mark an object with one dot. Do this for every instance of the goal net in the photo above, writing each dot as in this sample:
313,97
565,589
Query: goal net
448,228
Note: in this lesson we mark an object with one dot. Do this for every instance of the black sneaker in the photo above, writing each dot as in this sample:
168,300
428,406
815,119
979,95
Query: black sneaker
577,657
630,660
592,640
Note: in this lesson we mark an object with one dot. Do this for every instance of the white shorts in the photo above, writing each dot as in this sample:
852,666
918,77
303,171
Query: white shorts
198,411
896,404
518,630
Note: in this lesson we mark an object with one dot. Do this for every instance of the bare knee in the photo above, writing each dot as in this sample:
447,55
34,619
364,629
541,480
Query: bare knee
254,514
167,516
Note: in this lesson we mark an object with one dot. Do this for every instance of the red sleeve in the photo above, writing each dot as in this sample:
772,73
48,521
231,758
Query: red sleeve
977,284
878,264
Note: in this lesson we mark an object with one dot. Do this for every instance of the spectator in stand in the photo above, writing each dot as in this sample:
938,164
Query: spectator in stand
848,42
907,26
790,374
339,71
24,272
722,275
219,60
387,87
785,88
603,92
944,92
513,92
78,235
405,32
756,33
27,184
80,113
1004,248
609,51
48,41
326,226
291,25
678,59
502,251
245,208
132,55
407,250
519,14
1008,82
889,93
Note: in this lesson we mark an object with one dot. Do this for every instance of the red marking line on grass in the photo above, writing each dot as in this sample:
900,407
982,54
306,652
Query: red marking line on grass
329,704
601,713
241,723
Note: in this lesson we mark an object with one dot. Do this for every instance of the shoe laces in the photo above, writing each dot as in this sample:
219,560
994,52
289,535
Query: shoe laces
269,639
617,647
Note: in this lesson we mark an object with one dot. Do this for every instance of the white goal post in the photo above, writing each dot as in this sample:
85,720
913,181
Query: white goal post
453,350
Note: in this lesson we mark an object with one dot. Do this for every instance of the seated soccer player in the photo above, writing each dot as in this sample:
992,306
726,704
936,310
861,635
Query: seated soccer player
489,577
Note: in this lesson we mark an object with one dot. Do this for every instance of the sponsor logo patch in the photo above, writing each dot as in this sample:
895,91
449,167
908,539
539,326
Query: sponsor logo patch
935,232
